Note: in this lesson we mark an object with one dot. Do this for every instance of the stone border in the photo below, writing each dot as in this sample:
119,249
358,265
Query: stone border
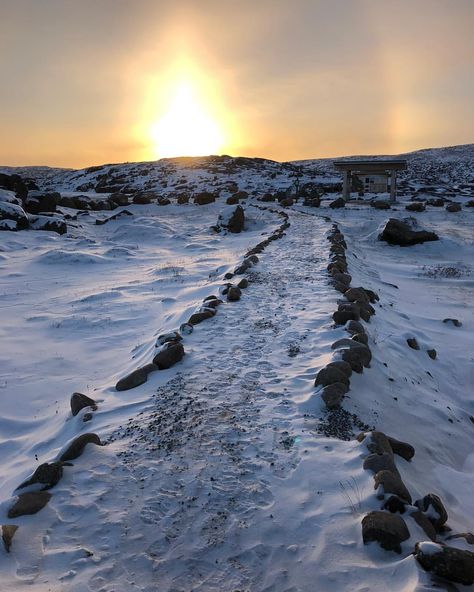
170,351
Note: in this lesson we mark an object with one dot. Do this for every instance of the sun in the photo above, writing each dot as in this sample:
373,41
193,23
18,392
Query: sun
186,128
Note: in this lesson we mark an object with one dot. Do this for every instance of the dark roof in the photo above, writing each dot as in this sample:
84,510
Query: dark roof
380,164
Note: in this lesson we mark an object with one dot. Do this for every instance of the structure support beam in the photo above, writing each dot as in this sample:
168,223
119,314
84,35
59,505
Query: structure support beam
393,186
345,185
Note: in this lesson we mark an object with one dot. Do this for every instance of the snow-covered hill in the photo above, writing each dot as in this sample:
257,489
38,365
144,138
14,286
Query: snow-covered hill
226,471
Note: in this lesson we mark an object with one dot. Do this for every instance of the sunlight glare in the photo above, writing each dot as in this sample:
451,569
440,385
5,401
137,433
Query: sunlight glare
186,129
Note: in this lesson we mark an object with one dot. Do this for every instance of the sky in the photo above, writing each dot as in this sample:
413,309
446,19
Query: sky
88,82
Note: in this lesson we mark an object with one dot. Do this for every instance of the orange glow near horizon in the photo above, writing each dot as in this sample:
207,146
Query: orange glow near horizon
183,114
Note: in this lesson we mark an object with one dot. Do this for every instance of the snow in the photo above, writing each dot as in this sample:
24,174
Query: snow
218,473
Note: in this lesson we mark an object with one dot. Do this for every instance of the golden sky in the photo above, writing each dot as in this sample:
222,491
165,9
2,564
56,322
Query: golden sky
86,82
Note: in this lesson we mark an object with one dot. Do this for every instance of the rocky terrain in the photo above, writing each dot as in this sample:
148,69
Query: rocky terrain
230,379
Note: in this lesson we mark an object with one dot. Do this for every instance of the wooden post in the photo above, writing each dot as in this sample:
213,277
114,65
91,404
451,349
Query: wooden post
393,185
345,186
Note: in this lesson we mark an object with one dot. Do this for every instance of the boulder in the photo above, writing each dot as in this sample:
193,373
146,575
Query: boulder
170,337
415,206
243,284
8,532
338,203
142,198
357,356
341,317
342,366
389,530
453,207
354,327
422,521
380,462
356,295
29,503
169,356
404,234
266,197
330,375
79,401
402,449
232,219
361,338
455,322
312,202
437,203
135,378
183,198
432,353
204,198
42,201
343,278
455,565
119,199
163,201
413,343
48,223
394,504
233,294
199,317
76,447
333,394
47,474
14,183
379,204
391,483
14,212
435,510
186,328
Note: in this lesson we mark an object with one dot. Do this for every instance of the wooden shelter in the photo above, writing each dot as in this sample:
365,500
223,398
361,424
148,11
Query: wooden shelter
382,166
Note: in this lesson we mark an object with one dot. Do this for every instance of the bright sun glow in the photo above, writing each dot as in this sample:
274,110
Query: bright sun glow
186,129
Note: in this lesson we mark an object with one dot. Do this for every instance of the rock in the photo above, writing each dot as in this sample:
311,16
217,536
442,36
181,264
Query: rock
380,462
199,317
343,367
391,483
8,532
266,197
169,356
29,503
341,317
450,563
14,183
356,355
435,509
42,201
416,206
286,202
143,198
14,212
312,202
213,303
76,447
204,198
119,199
356,294
330,375
402,449
361,338
455,322
379,204
337,203
233,294
437,203
47,223
453,207
422,521
354,327
337,266
47,474
186,328
379,443
469,204
413,343
373,297
333,394
394,504
163,201
232,219
389,530
135,378
243,284
172,336
432,353
343,278
398,232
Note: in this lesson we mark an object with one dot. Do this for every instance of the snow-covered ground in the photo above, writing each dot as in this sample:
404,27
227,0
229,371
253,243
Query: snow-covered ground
220,473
